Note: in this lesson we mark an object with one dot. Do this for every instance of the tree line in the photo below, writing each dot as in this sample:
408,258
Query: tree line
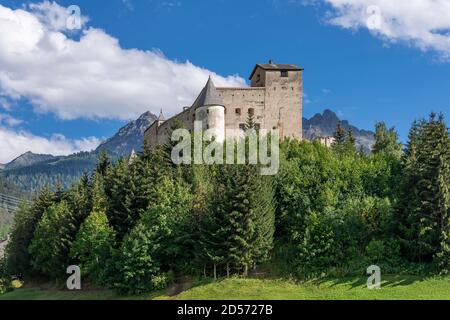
136,224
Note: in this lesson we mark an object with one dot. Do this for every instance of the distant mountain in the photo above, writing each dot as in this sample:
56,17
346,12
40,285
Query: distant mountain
28,159
31,172
2,166
322,125
129,137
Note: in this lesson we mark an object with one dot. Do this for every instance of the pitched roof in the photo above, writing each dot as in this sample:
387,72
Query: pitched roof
275,67
209,96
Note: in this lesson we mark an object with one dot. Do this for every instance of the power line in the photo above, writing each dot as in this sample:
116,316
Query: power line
11,202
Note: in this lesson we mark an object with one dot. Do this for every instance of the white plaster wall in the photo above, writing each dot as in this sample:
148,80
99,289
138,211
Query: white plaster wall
213,121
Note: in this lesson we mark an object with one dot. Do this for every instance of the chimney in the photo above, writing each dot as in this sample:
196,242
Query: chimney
270,61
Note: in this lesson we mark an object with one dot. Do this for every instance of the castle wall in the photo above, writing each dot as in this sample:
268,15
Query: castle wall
242,100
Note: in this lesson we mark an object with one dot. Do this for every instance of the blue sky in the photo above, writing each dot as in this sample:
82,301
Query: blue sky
363,76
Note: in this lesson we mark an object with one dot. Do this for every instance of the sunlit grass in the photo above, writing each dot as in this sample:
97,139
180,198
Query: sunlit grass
393,288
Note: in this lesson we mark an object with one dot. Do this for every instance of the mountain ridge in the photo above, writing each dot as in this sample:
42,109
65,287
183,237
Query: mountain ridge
325,124
27,159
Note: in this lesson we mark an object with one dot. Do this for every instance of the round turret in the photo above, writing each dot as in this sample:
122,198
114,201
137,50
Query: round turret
209,109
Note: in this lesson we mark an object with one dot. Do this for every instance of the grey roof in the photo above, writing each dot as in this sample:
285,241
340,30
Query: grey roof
209,96
275,67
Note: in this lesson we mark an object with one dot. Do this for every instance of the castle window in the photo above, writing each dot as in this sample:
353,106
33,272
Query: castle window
207,111
284,73
238,111
258,78
207,126
242,126
251,112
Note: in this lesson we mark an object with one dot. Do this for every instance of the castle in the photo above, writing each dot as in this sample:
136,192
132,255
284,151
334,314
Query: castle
274,99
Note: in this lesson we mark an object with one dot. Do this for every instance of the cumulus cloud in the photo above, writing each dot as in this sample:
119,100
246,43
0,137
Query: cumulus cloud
14,143
424,24
91,76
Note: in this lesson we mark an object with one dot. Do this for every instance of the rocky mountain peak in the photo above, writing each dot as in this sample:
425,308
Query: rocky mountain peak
130,137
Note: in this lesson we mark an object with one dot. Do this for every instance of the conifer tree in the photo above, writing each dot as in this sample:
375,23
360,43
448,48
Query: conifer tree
250,123
25,222
51,243
339,144
386,141
94,243
425,190
103,163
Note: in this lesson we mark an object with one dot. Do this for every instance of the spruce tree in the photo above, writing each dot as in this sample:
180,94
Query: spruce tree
424,202
52,240
386,141
25,222
339,136
103,163
94,243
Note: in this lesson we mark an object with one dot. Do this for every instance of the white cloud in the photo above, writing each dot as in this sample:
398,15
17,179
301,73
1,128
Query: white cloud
93,77
424,24
9,120
14,143
4,104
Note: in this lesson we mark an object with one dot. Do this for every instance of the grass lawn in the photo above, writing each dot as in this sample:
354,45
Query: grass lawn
393,287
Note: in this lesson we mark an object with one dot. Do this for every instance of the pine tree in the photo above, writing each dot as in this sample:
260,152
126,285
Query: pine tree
386,141
264,205
350,141
25,222
250,123
339,136
120,197
94,243
425,190
51,243
240,227
159,243
103,163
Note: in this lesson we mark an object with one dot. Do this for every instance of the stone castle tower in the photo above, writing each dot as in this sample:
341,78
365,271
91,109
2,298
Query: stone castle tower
274,99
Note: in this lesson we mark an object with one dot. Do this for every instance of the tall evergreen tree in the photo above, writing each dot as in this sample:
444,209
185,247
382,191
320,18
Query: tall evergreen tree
386,141
103,163
339,144
52,240
425,190
94,243
25,222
